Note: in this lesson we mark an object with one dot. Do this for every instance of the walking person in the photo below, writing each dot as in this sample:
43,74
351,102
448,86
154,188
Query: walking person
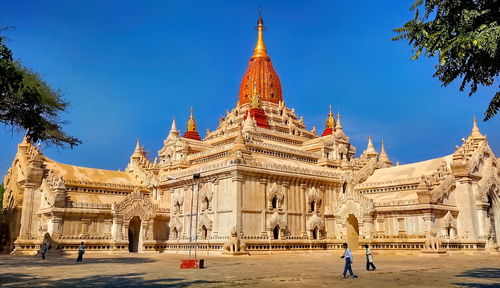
369,258
44,249
348,261
81,251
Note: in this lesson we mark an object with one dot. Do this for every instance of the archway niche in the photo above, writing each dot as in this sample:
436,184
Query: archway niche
276,232
315,233
204,232
493,215
275,202
313,205
352,232
134,234
344,187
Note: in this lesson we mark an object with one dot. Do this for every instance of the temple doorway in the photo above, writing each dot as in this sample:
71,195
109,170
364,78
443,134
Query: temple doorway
352,232
493,216
134,231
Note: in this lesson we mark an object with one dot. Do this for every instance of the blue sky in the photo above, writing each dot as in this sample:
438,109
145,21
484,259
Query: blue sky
129,67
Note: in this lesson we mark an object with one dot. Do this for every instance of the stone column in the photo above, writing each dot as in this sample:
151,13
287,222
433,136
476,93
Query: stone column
117,229
238,188
215,209
368,225
465,199
54,227
482,216
262,187
303,201
401,226
380,226
107,227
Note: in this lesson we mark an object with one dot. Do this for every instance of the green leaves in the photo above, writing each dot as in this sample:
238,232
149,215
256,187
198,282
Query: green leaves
465,35
27,102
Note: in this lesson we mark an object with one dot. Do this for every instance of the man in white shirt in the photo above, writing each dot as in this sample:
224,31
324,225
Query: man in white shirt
348,261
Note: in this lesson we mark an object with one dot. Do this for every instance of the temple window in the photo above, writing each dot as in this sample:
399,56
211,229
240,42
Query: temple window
177,207
275,202
344,187
175,233
313,206
315,233
206,203
204,232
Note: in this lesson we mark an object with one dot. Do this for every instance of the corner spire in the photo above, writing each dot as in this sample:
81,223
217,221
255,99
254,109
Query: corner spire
137,151
174,133
370,150
260,46
338,126
475,130
191,131
384,158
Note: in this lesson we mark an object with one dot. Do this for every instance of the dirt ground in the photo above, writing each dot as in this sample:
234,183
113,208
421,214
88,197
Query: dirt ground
277,270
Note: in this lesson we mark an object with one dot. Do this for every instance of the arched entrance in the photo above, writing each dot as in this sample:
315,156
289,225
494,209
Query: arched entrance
352,232
134,233
493,216
276,232
315,233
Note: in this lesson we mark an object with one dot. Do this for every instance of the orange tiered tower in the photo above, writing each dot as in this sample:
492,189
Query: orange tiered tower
192,132
330,124
260,72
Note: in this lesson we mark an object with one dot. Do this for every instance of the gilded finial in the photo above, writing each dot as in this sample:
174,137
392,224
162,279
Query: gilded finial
260,47
330,121
191,125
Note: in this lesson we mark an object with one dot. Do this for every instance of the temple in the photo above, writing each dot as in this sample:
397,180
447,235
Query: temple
259,182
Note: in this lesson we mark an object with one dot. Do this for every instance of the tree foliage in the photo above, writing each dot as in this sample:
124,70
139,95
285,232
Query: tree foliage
465,35
27,102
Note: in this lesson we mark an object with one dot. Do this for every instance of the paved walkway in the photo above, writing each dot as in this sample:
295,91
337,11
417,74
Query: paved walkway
277,270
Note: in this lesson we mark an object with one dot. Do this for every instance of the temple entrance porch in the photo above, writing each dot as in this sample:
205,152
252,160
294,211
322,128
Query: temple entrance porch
352,232
134,234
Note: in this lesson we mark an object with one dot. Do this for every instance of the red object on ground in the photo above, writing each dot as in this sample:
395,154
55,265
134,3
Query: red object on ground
192,264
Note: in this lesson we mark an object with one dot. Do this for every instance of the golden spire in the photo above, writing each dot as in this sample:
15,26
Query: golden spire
330,121
260,47
255,97
191,131
191,125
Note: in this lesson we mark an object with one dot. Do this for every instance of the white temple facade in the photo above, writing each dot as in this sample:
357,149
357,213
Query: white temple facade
261,181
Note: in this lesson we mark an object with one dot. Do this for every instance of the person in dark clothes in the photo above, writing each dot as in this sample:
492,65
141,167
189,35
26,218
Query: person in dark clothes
44,250
81,251
369,258
348,261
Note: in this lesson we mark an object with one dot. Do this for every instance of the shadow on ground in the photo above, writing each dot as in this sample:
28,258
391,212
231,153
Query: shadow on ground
487,274
118,280
24,261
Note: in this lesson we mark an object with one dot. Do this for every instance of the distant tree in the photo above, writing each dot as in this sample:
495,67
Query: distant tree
465,35
27,102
